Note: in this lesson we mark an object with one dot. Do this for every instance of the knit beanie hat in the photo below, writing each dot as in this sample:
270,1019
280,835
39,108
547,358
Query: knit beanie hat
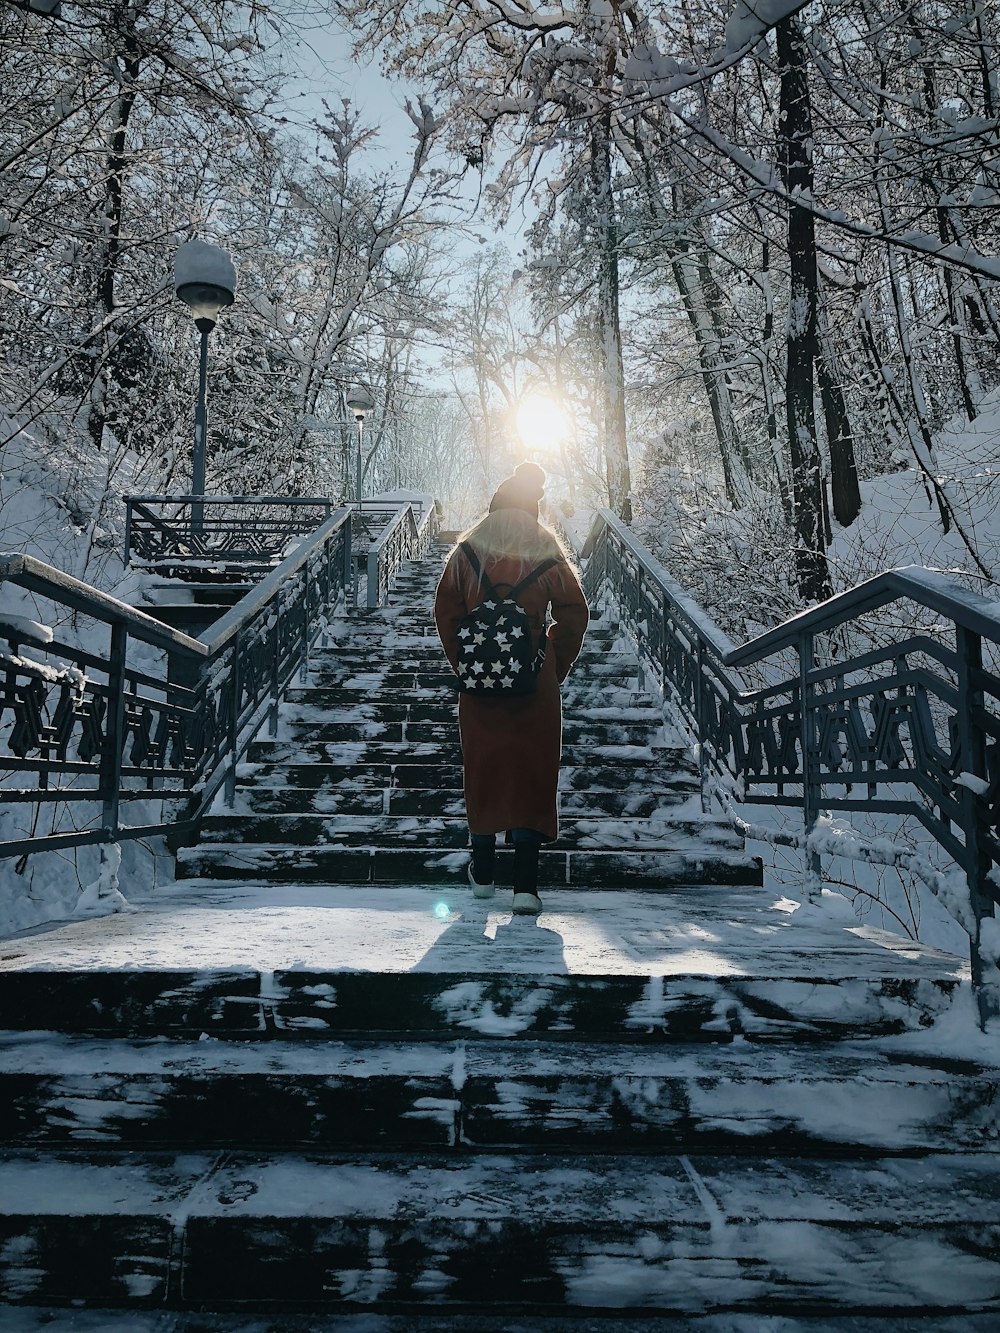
521,491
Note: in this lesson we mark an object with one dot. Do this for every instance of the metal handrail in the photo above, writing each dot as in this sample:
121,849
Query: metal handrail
101,727
38,577
176,729
918,716
407,537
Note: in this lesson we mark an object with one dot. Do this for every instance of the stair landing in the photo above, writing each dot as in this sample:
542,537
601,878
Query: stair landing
708,962
714,931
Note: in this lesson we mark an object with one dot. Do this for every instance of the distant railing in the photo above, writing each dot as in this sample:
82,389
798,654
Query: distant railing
191,536
407,536
910,727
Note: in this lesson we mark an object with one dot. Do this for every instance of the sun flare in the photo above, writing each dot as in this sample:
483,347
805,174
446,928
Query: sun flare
541,422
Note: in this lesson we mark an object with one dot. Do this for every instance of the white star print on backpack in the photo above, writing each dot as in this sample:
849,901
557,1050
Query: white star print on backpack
494,640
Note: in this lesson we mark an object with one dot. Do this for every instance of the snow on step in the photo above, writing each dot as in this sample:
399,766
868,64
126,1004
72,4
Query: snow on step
689,1233
58,1089
704,964
316,828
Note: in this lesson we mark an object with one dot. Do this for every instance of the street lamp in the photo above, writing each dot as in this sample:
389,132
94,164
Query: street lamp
360,402
205,280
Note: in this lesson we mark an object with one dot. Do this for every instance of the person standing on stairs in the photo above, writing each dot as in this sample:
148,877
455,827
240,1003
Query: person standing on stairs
511,744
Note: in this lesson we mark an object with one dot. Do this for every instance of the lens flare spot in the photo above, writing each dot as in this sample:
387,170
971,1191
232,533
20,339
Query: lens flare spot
442,911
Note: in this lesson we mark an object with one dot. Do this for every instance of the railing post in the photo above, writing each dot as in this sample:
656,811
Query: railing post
304,651
327,589
372,598
128,528
347,568
972,760
699,713
114,735
233,721
810,789
272,722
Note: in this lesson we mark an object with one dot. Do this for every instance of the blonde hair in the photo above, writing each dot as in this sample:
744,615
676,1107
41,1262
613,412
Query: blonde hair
513,534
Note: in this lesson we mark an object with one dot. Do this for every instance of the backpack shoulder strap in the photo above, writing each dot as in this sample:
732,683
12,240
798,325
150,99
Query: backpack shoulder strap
473,559
535,574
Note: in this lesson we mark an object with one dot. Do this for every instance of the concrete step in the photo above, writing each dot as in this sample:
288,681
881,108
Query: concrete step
386,752
189,617
678,1233
418,635
578,697
704,963
374,677
449,802
316,829
577,731
435,863
641,775
104,1319
58,1090
305,718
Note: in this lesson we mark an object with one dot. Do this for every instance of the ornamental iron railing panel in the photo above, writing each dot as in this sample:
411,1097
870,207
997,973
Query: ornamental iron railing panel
188,536
406,535
158,715
797,717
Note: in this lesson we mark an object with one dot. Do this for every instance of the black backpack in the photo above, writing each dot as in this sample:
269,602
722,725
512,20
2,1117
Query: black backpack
494,640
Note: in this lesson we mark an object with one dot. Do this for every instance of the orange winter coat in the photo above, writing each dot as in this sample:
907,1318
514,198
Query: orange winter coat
511,747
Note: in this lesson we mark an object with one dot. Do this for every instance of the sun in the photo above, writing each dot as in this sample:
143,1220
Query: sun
541,422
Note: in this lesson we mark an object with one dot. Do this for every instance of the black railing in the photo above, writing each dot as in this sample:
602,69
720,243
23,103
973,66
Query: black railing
406,534
188,536
98,727
154,714
798,717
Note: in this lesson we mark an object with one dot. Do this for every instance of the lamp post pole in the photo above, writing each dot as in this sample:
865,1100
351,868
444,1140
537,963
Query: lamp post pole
205,280
204,327
360,402
359,463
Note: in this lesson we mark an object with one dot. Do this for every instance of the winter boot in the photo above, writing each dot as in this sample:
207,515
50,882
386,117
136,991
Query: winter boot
482,870
526,899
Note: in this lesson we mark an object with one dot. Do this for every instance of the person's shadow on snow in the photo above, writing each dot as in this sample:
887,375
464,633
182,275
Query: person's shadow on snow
528,937
484,935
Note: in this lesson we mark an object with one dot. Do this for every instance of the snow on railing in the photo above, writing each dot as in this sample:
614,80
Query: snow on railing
835,721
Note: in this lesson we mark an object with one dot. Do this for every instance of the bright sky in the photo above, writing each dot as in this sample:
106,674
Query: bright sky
324,53
331,72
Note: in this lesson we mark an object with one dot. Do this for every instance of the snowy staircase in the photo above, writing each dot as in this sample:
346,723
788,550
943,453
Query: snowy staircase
365,784
321,1087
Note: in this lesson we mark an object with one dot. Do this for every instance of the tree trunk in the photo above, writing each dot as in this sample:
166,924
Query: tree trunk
839,435
716,389
99,412
609,332
794,147
765,352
